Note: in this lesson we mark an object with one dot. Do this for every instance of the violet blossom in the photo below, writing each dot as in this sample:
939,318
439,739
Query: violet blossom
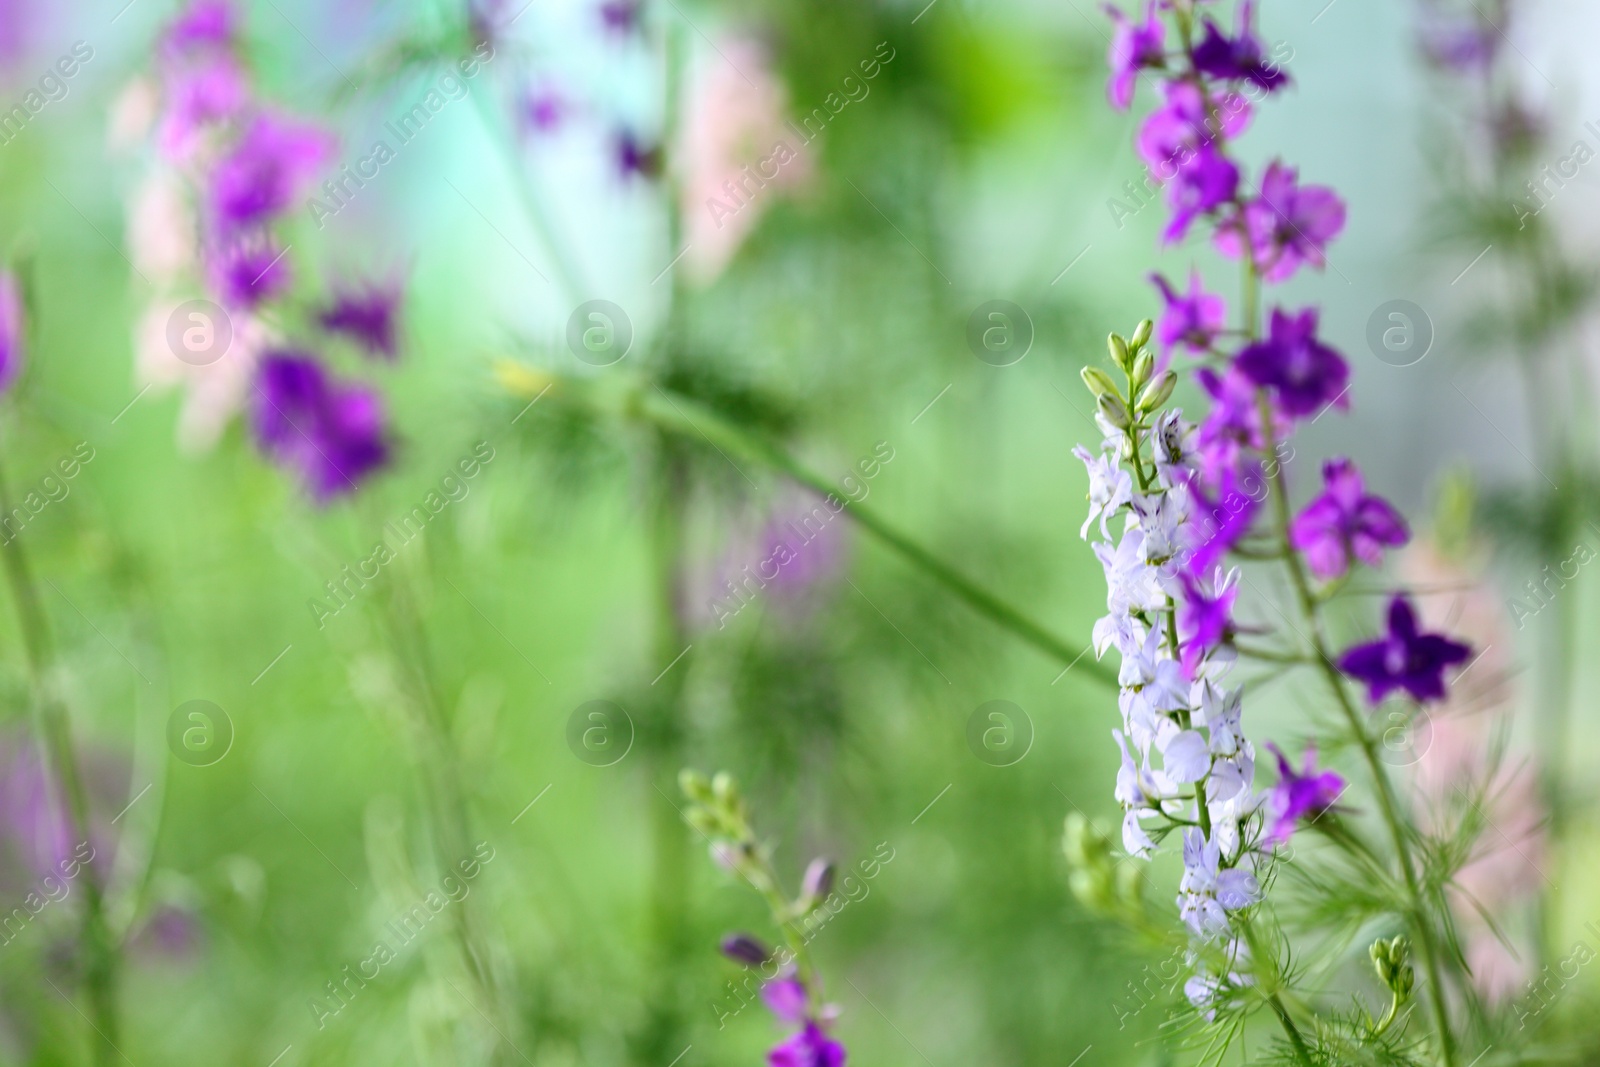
1237,58
1286,225
810,1046
1405,658
1304,374
12,329
264,173
1192,320
332,434
1305,794
367,315
1345,521
1134,46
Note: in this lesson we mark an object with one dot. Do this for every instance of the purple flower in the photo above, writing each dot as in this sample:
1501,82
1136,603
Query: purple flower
620,16
1462,45
544,110
1233,425
1405,659
266,171
1192,320
1237,58
742,948
1345,521
205,24
201,96
248,271
1286,225
12,327
1205,615
331,434
1218,522
1305,374
634,158
367,316
1300,795
1179,142
1134,46
810,1047
785,997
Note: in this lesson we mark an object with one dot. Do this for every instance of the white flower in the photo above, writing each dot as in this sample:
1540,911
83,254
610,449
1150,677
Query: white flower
1124,631
1209,891
1174,449
1185,756
1131,583
1161,516
1140,790
1110,487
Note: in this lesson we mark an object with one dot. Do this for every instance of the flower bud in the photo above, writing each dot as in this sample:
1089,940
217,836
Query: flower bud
742,948
1141,334
1119,351
694,785
1144,364
1115,411
1098,381
818,880
1158,392
704,820
724,788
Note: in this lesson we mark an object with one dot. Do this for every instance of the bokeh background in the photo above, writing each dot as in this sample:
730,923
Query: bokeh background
979,167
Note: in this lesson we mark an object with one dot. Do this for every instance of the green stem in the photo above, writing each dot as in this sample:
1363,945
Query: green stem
673,414
1388,803
1301,1052
54,725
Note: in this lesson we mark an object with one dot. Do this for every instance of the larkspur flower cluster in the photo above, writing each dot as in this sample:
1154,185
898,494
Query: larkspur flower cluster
1187,495
229,169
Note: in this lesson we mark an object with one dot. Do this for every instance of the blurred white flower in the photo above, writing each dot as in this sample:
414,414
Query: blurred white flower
214,392
162,233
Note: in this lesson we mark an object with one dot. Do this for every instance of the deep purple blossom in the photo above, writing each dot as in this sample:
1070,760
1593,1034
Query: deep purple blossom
742,948
367,315
266,171
634,158
809,1047
201,96
1219,521
1237,58
1304,374
1134,46
1193,319
1285,225
785,997
1300,794
620,16
13,328
1345,521
332,434
1404,658
248,271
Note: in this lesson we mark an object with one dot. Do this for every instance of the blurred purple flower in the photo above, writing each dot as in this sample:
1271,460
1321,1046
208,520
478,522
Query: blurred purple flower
203,25
367,315
1218,522
810,1047
1300,795
742,948
1286,225
198,98
634,158
13,329
1134,46
1192,320
1305,374
170,933
1240,57
269,167
785,997
1404,658
1345,521
1179,142
1205,613
248,271
1233,425
332,434
620,16
544,110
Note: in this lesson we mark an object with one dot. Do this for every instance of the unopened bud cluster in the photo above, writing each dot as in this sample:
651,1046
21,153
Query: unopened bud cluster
1389,959
1099,882
1145,391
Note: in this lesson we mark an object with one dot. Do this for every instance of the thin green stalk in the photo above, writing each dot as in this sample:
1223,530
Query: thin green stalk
1388,803
673,414
1298,1043
52,720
